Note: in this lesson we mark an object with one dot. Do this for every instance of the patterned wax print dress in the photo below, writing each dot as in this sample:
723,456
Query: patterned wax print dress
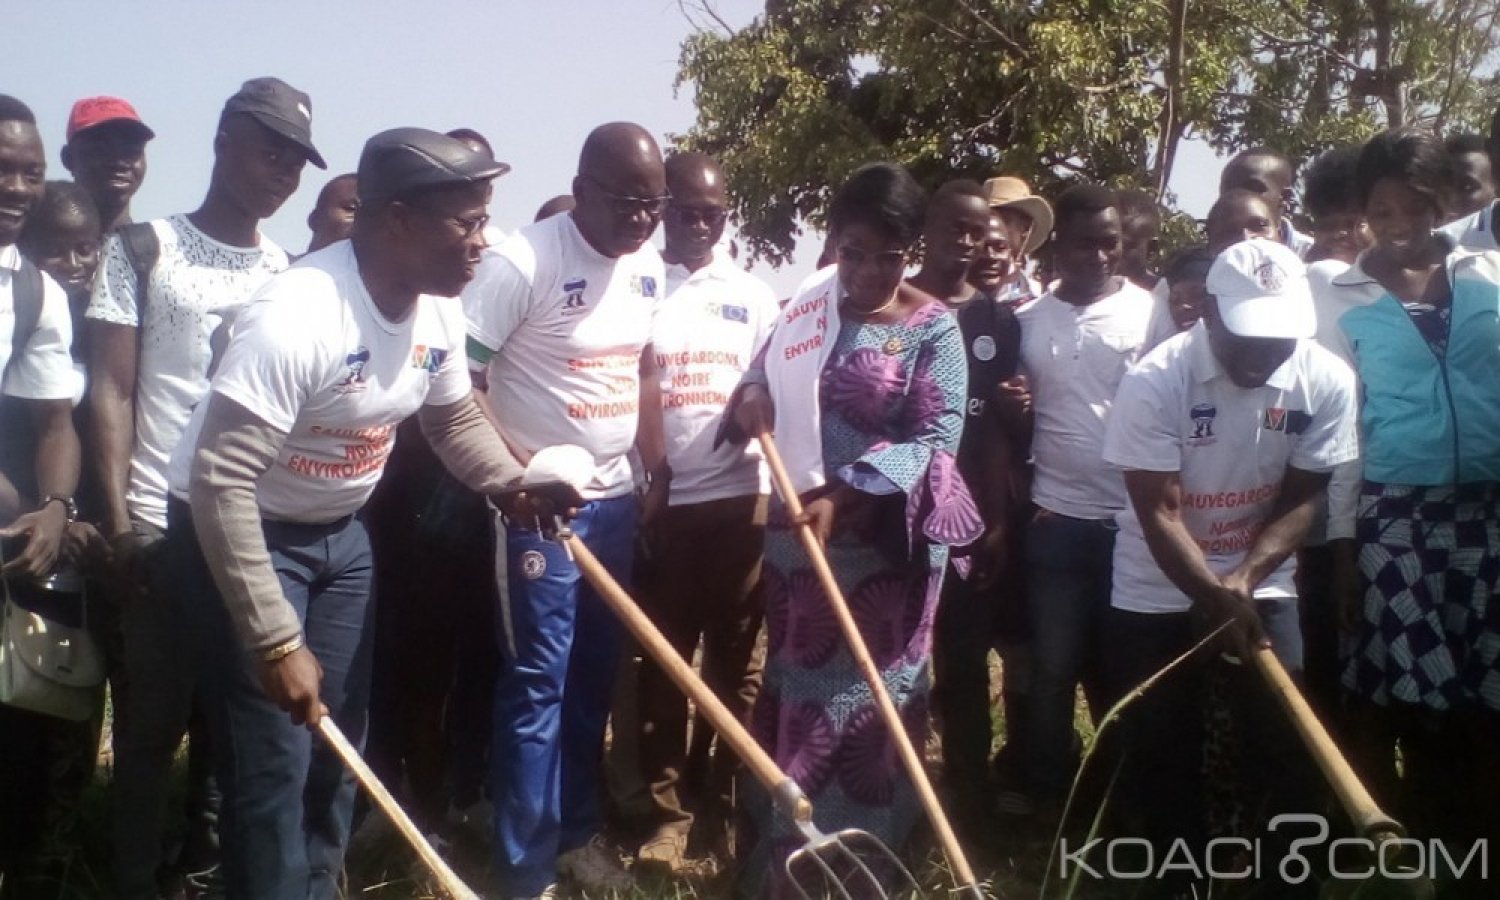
891,399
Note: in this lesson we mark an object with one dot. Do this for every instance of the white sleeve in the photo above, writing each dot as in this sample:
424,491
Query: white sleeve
272,365
495,303
113,300
1343,499
451,383
45,370
1141,432
1331,437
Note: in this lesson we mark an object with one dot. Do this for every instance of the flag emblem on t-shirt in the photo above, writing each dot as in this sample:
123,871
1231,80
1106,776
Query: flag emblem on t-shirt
735,313
644,285
428,358
1287,421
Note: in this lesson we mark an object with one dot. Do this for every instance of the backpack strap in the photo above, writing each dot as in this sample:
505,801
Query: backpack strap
26,297
142,249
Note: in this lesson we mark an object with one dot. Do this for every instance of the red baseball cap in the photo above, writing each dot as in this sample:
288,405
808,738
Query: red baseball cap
92,111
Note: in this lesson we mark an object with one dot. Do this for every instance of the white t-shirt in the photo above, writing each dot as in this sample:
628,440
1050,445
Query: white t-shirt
706,334
195,283
1475,231
1178,412
1074,357
1162,326
314,358
558,328
46,370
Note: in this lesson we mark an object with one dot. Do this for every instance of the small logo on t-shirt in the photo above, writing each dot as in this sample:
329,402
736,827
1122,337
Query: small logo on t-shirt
1203,416
533,564
1287,421
428,358
573,303
984,348
354,372
644,285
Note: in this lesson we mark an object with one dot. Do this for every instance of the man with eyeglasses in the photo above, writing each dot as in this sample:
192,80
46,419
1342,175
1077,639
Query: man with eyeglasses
264,531
152,328
558,322
707,331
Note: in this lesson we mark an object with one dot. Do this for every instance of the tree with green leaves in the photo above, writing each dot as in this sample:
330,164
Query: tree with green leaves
1104,90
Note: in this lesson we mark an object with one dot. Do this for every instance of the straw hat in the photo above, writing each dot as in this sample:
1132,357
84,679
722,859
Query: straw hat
1009,192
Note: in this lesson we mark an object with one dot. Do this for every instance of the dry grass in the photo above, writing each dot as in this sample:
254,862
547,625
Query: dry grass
1011,864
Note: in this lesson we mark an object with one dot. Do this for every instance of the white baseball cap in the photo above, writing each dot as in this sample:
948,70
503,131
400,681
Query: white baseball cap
1261,290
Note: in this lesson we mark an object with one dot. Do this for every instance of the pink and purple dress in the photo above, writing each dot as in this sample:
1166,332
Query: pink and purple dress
892,399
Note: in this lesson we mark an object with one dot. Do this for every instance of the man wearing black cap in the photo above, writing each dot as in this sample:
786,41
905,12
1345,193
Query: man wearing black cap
150,357
106,152
276,462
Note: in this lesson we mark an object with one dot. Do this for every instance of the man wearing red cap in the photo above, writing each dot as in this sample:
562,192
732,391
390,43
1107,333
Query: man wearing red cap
106,152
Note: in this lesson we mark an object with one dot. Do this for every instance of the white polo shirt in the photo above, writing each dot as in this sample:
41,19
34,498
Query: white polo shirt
1475,231
1177,411
705,335
1074,357
313,357
558,329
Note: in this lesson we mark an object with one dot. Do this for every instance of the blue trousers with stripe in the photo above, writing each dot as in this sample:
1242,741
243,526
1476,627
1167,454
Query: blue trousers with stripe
558,648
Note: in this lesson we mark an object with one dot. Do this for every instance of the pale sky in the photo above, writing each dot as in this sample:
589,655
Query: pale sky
534,76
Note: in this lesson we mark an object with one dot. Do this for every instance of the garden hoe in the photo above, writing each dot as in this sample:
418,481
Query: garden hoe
448,881
1383,879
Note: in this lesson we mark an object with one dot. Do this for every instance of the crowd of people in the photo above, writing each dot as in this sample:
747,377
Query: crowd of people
254,489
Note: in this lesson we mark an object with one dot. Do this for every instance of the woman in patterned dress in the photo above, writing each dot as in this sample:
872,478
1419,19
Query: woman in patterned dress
1420,320
865,381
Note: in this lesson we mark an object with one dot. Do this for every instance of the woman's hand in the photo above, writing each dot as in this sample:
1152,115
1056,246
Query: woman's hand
820,516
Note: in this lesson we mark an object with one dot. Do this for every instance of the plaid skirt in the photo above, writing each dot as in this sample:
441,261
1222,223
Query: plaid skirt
1430,632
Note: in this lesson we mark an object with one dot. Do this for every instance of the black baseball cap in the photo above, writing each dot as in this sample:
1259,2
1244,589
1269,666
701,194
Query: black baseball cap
403,160
281,108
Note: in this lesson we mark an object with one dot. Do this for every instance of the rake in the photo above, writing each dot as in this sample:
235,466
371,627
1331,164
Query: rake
848,864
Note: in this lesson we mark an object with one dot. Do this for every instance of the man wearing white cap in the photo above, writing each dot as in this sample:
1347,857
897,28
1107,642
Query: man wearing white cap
1227,435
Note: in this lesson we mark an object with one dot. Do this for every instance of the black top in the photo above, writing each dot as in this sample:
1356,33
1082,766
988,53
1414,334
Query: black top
992,342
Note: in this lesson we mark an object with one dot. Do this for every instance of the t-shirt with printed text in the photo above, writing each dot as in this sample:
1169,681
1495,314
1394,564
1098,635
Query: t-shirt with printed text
195,283
558,329
706,333
314,358
1177,411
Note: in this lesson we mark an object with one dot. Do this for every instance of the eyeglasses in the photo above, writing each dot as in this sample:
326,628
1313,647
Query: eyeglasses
687,215
626,206
468,226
